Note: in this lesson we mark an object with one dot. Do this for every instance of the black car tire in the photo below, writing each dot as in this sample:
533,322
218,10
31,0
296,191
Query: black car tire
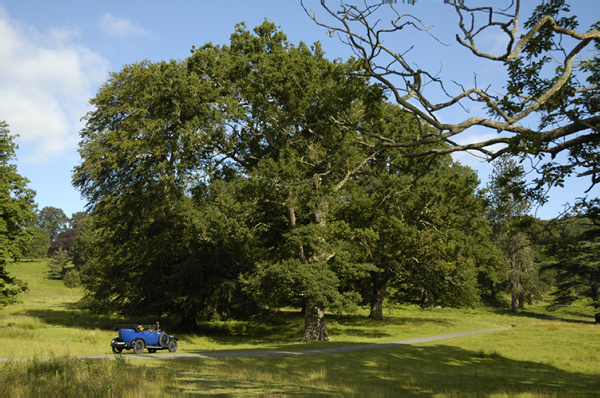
163,340
117,350
173,346
138,346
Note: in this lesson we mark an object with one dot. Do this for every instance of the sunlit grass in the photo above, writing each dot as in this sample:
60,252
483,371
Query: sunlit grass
540,352
22,322
42,289
497,363
65,375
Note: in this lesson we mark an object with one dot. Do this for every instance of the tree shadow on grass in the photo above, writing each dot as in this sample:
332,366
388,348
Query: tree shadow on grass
396,320
287,336
289,328
68,315
557,317
286,327
395,370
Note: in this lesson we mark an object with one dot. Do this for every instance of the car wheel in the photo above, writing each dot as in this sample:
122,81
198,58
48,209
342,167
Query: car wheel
151,350
163,340
138,346
117,350
173,346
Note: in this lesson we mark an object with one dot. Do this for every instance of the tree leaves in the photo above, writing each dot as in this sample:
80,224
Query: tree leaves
244,178
16,213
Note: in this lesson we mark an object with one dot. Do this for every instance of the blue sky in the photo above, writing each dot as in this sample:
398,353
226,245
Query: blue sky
55,54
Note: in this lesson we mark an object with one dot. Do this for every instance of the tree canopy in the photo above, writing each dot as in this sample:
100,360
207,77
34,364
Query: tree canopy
217,165
213,182
16,211
38,248
52,219
259,175
64,240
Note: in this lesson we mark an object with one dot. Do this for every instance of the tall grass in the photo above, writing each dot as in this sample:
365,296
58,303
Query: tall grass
69,376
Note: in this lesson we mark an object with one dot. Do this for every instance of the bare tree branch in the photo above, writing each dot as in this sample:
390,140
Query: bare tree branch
361,27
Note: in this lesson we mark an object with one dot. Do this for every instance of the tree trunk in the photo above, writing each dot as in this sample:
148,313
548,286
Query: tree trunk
494,292
596,298
314,326
514,301
515,286
291,214
596,306
188,324
378,294
314,317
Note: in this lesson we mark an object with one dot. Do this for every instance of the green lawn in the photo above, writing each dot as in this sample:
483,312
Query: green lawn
541,352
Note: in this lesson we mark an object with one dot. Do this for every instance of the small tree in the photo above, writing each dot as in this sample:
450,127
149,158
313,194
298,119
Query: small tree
508,201
72,279
57,263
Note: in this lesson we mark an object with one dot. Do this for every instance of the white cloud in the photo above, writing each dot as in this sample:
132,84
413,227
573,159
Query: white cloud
121,27
46,81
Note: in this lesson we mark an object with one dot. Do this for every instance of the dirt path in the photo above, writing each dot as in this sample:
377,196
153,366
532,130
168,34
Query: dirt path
331,350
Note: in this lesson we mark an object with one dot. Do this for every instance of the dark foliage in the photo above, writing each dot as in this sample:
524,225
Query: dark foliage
64,240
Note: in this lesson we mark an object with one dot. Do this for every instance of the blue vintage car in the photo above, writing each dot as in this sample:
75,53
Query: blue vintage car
138,337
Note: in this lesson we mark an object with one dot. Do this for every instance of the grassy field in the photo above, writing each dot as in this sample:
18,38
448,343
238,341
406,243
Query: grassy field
541,352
